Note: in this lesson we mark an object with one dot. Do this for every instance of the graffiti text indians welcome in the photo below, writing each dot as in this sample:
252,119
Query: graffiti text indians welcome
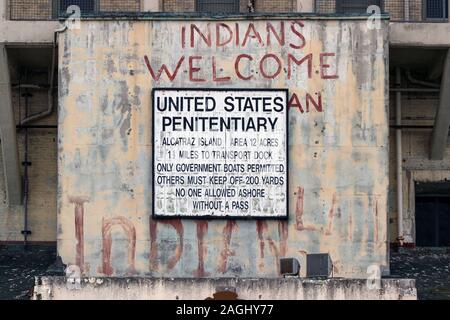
199,63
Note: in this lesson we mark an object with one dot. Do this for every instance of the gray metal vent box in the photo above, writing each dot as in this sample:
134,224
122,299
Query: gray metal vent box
289,267
319,265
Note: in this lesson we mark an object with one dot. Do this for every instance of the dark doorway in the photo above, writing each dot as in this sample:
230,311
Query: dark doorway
433,214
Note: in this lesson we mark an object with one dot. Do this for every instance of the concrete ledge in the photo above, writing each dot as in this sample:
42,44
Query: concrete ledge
59,288
418,34
28,32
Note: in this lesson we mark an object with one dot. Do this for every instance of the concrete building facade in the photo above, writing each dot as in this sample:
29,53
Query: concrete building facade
44,158
104,153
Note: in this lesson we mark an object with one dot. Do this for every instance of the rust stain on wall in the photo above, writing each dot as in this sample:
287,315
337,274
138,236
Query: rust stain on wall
263,236
350,227
227,251
283,232
299,209
331,215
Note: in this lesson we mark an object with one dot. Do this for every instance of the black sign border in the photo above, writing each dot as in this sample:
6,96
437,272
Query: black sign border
209,217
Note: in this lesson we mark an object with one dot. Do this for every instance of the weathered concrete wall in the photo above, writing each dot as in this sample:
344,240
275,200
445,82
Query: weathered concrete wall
200,289
338,147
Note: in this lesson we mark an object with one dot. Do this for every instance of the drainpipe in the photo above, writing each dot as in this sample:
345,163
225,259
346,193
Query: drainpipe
49,110
26,164
421,82
398,136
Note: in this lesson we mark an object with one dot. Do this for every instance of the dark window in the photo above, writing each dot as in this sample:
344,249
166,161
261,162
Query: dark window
86,6
433,221
218,6
436,9
355,6
433,214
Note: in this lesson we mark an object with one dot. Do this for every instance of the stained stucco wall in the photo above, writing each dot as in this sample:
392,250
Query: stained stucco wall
338,146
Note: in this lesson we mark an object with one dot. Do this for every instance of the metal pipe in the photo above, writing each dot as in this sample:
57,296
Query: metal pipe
29,86
421,82
414,90
25,231
44,126
49,110
398,136
407,126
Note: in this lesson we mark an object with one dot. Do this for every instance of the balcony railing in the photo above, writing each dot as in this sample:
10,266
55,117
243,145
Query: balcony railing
54,9
229,6
399,10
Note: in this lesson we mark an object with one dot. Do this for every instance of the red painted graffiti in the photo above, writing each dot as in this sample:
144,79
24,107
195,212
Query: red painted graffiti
260,227
299,213
331,214
202,229
173,261
244,36
209,65
295,102
283,231
79,230
324,66
226,251
170,74
130,233
263,236
375,231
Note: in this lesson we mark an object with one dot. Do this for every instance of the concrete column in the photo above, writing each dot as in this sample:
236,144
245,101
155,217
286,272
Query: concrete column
3,5
406,10
442,122
8,134
151,5
305,6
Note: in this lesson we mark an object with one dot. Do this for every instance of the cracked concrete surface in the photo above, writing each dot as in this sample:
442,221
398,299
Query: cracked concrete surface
18,269
430,268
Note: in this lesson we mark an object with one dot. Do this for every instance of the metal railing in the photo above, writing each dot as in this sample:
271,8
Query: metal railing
229,6
54,9
399,10
225,6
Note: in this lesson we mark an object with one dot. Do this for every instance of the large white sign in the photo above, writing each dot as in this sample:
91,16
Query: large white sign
220,153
